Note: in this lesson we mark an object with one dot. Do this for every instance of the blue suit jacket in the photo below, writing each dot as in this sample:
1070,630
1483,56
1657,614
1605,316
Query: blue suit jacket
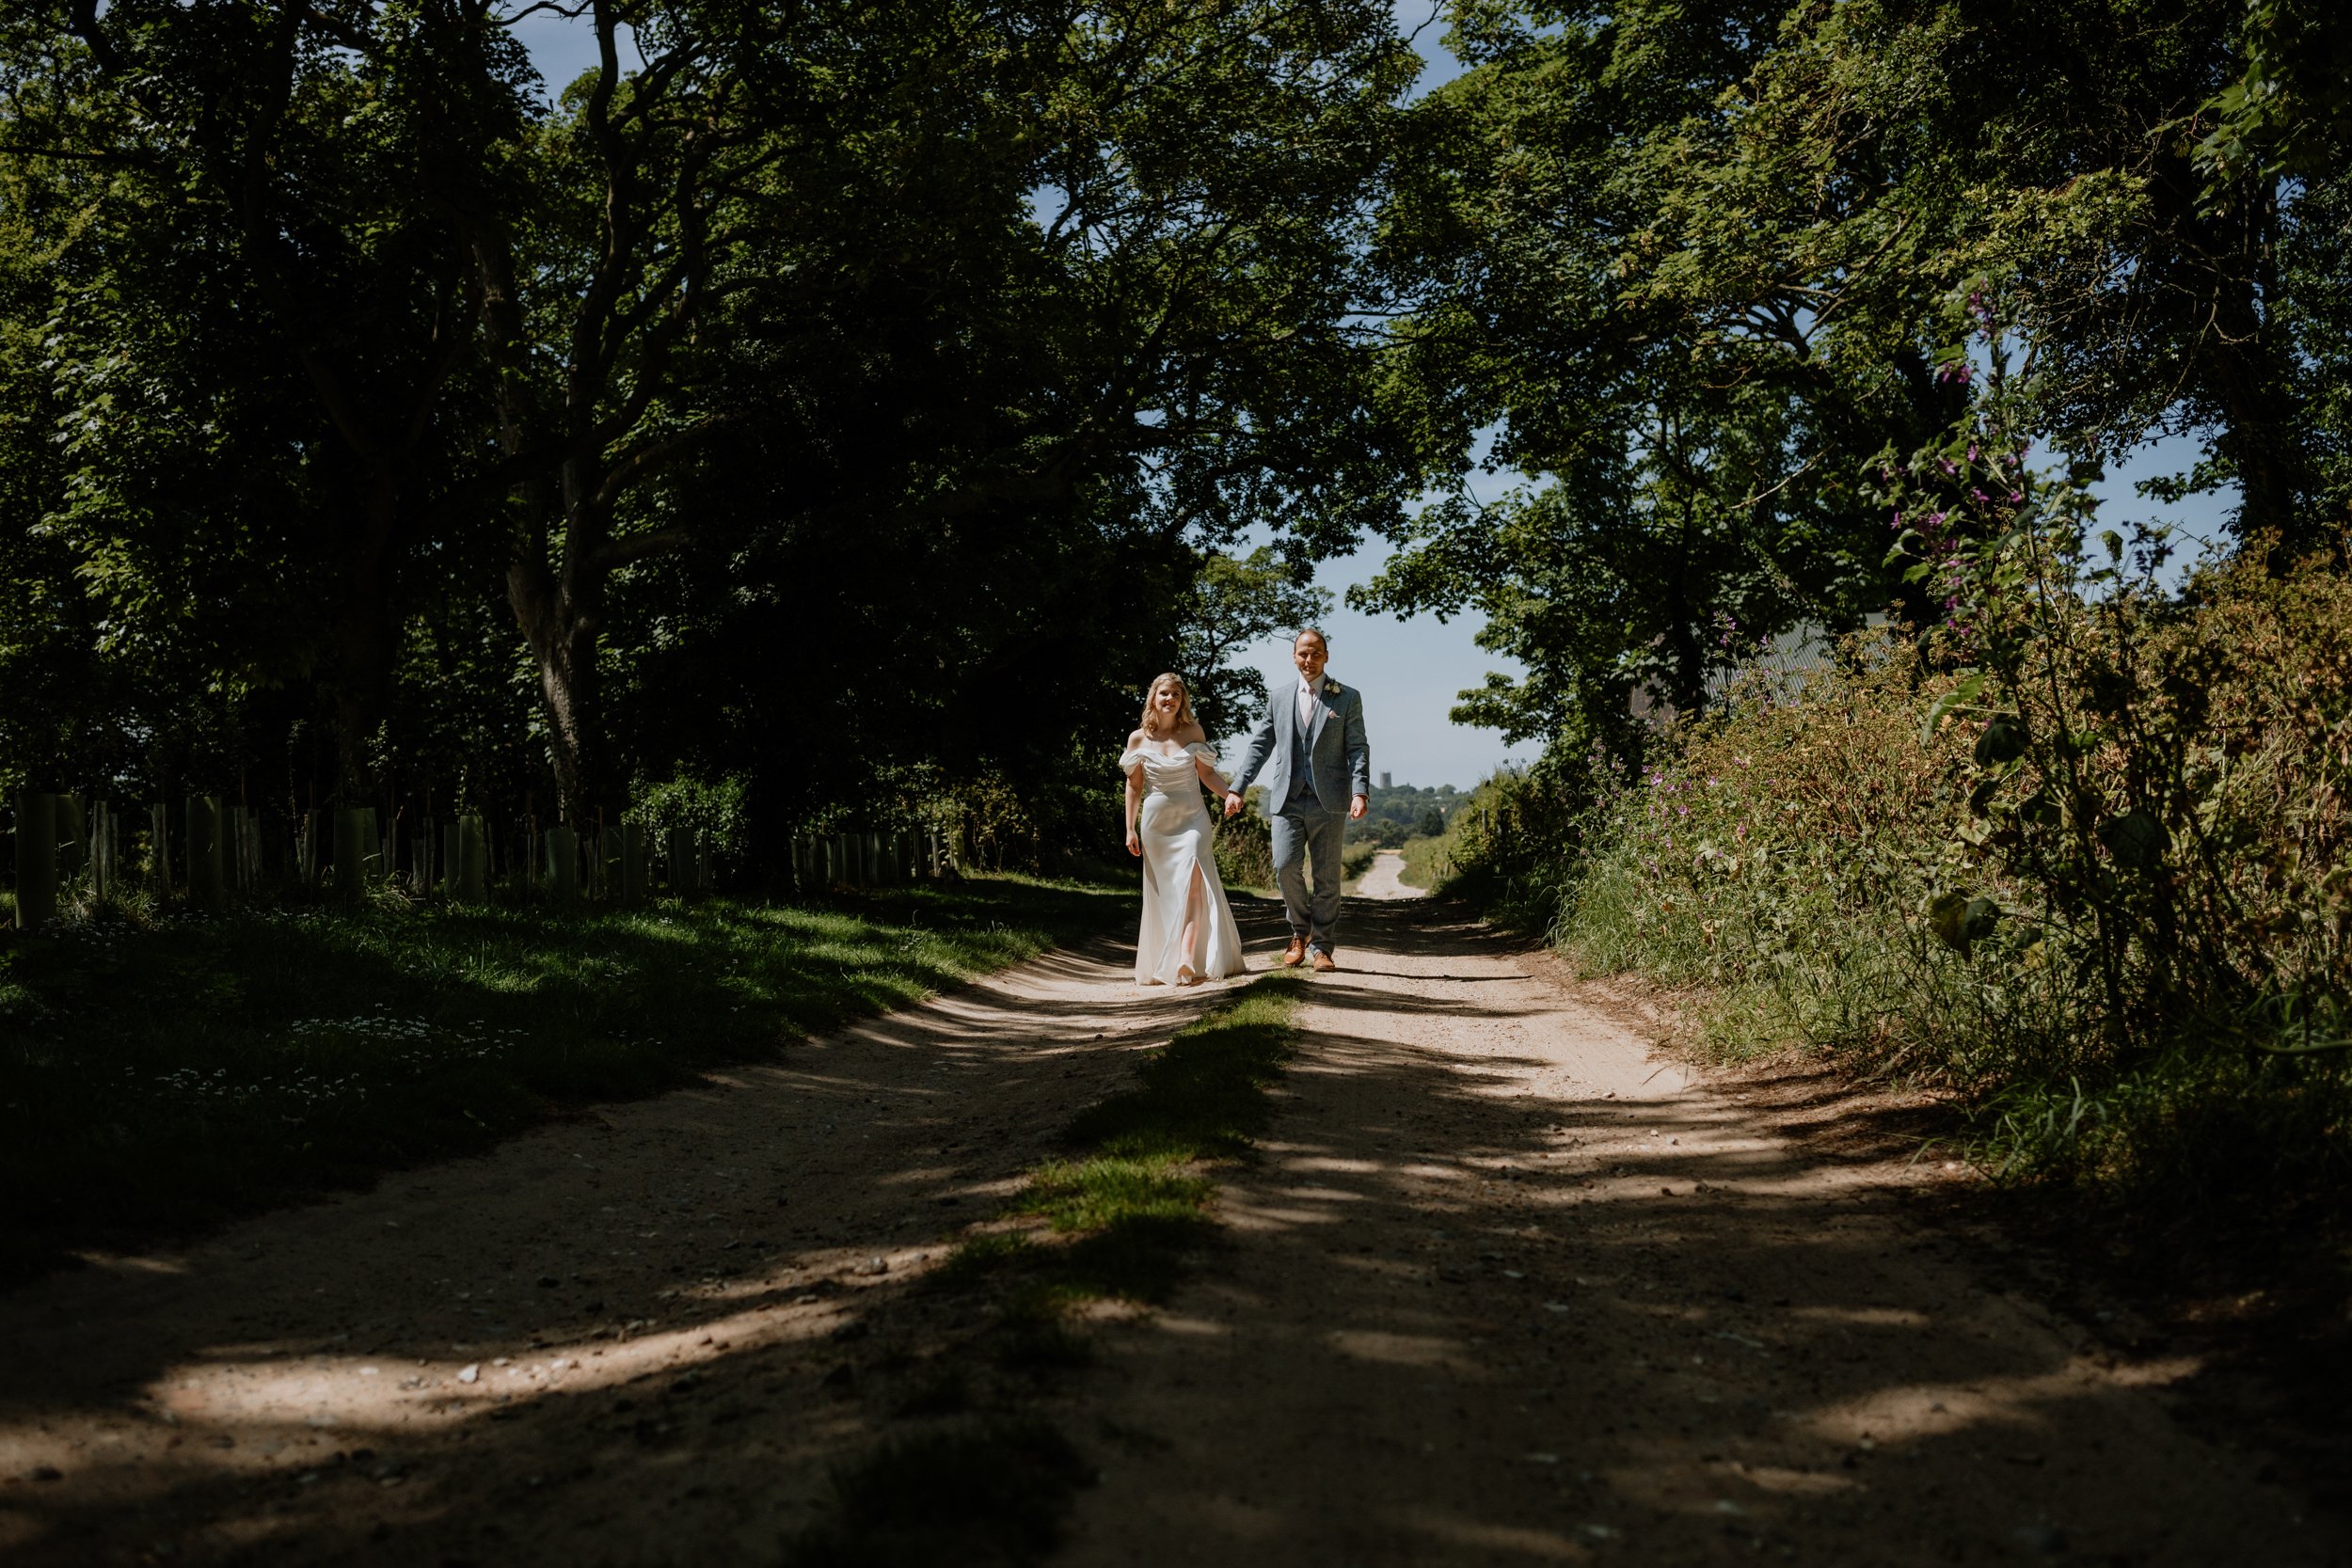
1338,757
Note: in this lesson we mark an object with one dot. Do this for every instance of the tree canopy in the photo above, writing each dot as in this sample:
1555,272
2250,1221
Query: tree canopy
1698,269
854,395
865,400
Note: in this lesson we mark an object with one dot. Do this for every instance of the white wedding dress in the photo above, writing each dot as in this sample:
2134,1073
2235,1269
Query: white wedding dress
1179,845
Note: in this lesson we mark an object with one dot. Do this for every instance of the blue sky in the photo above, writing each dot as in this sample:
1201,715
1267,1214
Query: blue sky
1410,670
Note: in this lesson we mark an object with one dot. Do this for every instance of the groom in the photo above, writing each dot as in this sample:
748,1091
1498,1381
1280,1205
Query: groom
1313,736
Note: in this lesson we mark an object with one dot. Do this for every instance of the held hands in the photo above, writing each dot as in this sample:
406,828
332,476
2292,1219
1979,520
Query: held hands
1232,803
1357,807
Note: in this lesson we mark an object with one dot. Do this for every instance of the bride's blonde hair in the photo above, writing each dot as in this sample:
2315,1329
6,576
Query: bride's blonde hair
1184,702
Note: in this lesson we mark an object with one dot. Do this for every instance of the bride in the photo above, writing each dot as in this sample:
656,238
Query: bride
1188,931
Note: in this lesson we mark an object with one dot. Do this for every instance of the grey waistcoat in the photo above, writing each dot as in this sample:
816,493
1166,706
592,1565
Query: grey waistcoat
1302,751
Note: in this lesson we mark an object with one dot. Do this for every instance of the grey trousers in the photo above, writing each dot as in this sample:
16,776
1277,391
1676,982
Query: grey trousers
1307,840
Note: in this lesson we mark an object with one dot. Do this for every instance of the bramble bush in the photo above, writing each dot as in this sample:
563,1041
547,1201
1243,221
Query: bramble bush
2076,855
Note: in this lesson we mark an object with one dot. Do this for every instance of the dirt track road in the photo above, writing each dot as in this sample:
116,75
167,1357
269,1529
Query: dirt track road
1385,879
1503,1289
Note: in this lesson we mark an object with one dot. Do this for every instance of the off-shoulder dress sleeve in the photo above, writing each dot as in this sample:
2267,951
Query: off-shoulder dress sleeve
1207,753
1130,757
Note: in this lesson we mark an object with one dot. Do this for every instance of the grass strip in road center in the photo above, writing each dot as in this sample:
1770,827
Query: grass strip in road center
1129,1199
1122,1209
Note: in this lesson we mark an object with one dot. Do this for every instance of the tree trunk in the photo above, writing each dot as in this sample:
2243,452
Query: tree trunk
2264,433
563,630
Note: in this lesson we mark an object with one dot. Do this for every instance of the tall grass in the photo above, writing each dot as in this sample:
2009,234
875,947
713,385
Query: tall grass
2085,873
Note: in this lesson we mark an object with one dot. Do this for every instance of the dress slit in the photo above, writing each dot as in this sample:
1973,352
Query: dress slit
1187,924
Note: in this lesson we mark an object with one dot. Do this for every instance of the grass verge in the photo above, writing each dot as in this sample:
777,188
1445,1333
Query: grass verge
157,1075
1122,1209
1428,861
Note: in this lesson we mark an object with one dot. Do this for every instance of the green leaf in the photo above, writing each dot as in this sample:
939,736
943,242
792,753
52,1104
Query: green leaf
1960,696
1960,919
2135,839
2003,739
1978,920
1946,911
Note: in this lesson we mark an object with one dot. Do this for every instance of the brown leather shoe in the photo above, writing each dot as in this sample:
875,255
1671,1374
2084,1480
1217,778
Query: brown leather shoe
1294,952
1325,963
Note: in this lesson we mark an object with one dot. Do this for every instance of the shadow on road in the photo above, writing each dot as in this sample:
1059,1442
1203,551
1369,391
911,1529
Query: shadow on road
1488,1298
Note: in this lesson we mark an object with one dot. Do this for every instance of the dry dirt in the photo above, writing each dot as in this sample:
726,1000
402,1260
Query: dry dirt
1504,1287
1385,879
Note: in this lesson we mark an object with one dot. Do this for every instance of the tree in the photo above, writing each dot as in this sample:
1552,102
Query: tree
1043,344
981,332
261,297
1700,268
1237,600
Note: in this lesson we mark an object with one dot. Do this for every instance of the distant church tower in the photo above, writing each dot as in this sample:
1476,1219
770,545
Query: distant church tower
1384,780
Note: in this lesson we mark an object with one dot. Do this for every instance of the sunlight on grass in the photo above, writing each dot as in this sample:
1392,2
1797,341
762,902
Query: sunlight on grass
162,1071
1130,1200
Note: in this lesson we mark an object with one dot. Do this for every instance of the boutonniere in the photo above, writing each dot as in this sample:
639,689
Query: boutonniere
1331,689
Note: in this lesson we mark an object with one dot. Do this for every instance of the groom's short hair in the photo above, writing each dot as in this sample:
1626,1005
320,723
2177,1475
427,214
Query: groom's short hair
1320,635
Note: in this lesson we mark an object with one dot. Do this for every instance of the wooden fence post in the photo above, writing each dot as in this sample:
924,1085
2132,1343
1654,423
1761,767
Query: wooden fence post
101,860
351,854
563,865
36,860
636,874
472,860
203,852
159,849
73,838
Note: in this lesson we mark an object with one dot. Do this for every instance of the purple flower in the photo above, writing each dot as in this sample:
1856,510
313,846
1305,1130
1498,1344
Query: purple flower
1982,500
1972,451
1948,466
2016,496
